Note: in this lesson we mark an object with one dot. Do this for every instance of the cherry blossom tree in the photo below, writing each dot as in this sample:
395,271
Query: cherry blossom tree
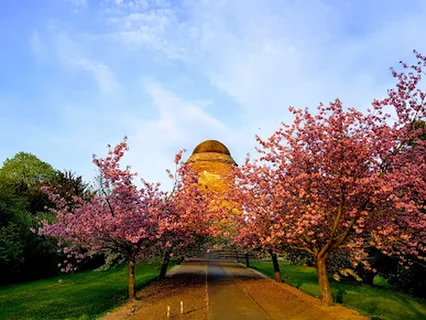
129,223
340,181
186,214
251,189
123,222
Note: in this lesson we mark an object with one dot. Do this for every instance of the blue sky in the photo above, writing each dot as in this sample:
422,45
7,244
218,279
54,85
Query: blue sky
76,75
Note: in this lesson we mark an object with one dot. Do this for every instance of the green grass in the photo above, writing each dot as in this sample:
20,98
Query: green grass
83,295
378,301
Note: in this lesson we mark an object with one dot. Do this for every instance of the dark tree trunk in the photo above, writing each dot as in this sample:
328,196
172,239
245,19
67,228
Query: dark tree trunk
247,260
131,278
276,266
324,284
368,278
366,275
164,266
236,256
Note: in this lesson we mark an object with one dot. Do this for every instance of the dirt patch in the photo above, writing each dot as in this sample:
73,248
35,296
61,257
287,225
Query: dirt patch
182,284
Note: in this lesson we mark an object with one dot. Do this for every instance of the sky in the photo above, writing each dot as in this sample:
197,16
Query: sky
76,75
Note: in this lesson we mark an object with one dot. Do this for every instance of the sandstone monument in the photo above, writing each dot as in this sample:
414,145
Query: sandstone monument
213,162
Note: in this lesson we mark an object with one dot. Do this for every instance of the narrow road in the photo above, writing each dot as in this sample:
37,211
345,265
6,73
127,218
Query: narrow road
227,300
220,290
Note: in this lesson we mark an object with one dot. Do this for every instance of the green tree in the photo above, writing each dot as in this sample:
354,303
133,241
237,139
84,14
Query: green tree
11,247
68,184
24,255
23,176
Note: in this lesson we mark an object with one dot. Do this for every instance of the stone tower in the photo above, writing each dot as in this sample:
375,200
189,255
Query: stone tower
213,162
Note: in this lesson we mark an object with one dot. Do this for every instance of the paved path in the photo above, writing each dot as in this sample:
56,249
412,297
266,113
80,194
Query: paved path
227,300
213,290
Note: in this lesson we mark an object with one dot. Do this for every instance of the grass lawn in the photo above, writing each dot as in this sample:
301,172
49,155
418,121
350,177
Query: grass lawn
377,302
82,295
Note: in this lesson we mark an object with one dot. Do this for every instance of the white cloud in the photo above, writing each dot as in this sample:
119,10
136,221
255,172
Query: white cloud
127,5
173,110
64,49
271,55
58,46
151,29
102,74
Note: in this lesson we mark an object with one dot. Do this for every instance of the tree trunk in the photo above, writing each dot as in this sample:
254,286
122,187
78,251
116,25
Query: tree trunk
324,284
247,261
131,278
276,267
164,266
368,278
